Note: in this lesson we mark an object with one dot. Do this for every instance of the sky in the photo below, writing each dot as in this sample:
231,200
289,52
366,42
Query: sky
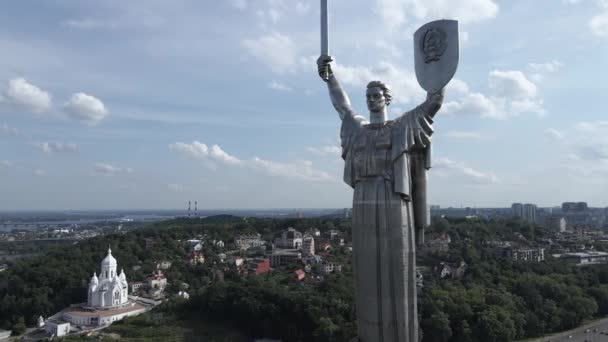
149,104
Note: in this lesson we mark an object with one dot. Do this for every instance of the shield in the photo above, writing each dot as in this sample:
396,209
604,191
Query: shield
436,53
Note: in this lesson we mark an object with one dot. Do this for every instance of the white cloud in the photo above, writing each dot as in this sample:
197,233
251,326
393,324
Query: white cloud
200,151
462,170
554,134
39,172
395,13
551,66
457,86
90,24
325,151
5,163
302,7
599,24
7,130
586,154
591,126
402,82
512,94
274,15
220,155
534,106
108,169
85,108
540,70
465,135
298,170
25,94
55,147
475,104
196,149
511,84
277,51
239,4
279,86
302,170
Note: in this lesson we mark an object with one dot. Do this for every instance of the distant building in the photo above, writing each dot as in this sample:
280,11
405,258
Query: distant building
447,271
517,209
57,328
164,265
556,223
439,244
331,267
348,212
283,257
586,258
156,283
308,245
196,258
289,239
238,261
107,302
150,242
259,266
245,242
135,286
110,289
314,232
183,294
322,245
299,274
570,207
527,212
522,254
333,234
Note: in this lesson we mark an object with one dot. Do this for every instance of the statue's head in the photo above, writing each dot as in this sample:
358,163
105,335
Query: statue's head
378,96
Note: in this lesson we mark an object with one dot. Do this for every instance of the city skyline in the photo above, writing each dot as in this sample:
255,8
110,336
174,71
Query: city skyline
139,105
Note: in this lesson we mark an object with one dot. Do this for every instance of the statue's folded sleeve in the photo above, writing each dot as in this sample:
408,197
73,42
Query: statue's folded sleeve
351,124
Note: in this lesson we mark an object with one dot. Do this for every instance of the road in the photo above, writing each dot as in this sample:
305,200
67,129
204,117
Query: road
579,334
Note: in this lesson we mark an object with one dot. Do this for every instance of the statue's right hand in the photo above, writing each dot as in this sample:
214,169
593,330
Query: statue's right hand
324,67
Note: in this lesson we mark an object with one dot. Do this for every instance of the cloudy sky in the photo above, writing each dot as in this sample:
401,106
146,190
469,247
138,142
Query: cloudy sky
149,104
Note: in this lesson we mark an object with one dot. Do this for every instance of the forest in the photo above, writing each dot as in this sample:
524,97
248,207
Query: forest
496,299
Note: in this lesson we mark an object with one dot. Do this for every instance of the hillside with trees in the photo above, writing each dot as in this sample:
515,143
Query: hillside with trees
495,300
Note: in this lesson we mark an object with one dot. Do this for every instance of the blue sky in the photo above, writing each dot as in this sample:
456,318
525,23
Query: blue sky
149,104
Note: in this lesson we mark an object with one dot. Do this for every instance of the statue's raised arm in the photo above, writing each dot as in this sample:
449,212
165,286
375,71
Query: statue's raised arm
339,98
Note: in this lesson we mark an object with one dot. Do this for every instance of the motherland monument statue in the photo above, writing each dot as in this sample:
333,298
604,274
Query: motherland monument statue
386,163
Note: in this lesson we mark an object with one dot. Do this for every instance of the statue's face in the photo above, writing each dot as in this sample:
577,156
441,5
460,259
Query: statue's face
375,99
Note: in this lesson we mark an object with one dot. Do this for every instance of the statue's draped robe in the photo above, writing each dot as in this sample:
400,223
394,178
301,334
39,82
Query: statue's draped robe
377,165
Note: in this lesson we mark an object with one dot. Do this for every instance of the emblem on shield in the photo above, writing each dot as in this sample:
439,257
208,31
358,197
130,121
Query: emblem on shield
436,54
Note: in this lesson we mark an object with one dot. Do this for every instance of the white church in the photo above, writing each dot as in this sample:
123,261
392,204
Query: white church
111,288
108,301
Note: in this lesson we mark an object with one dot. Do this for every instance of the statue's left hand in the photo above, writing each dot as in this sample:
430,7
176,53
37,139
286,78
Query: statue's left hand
436,97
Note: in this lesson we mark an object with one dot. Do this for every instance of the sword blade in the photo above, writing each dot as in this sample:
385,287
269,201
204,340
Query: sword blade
324,38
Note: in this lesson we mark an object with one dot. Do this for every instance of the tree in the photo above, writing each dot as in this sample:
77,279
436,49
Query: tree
326,330
19,327
495,325
436,328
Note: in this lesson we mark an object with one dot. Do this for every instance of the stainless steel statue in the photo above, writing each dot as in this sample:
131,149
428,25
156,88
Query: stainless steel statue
386,163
